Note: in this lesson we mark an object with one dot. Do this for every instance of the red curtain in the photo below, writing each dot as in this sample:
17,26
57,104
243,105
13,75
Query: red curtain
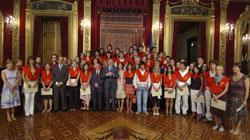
22,29
7,9
80,34
64,36
147,23
175,40
37,36
95,27
217,31
202,39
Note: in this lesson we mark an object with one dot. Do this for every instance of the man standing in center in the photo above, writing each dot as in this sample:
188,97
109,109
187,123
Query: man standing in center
110,75
60,76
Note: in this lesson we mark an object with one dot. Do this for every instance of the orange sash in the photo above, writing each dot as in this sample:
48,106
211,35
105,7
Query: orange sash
29,74
74,73
129,75
47,78
124,62
170,82
85,77
154,78
183,79
220,86
142,78
207,78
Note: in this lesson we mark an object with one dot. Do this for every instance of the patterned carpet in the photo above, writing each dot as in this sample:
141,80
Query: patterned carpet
111,125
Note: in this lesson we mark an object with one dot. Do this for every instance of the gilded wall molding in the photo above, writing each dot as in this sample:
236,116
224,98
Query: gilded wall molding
1,38
240,28
16,32
172,15
87,31
72,15
223,37
155,23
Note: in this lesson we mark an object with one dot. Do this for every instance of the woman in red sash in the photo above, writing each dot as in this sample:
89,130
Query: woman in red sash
30,77
129,88
183,81
170,83
47,83
74,75
218,89
85,76
121,59
156,82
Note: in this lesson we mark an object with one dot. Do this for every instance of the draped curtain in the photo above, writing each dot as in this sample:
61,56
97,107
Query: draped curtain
95,27
175,40
64,36
202,39
37,36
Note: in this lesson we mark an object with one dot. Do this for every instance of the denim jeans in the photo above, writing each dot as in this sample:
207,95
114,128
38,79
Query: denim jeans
142,96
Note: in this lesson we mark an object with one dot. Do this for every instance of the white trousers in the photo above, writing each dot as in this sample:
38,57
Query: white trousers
29,103
178,104
196,106
208,104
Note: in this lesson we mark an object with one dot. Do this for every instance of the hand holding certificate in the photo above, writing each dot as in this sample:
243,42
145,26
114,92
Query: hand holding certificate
184,92
47,92
169,95
199,99
72,82
85,92
219,104
30,89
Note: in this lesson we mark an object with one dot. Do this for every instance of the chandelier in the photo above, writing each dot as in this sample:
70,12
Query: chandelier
245,39
11,23
85,24
158,27
229,31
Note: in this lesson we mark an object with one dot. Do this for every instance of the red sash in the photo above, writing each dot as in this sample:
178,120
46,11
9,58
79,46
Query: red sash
197,76
207,78
183,79
85,77
170,82
74,73
142,78
162,60
129,75
29,74
47,78
221,85
155,78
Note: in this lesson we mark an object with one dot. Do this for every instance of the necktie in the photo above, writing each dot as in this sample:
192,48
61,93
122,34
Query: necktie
97,74
109,68
60,67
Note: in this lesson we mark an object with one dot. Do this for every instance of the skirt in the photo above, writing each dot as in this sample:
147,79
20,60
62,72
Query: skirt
120,92
86,98
10,100
234,103
129,89
47,96
220,113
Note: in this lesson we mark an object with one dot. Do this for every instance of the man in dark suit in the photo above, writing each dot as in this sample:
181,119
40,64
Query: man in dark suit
110,75
59,76
96,83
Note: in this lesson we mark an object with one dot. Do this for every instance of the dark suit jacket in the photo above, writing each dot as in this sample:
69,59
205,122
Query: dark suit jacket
110,81
60,76
98,80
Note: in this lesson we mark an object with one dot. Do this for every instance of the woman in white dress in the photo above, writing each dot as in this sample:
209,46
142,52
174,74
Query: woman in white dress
120,92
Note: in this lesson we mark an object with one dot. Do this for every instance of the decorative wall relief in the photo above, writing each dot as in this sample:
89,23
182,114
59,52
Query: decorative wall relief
190,10
51,5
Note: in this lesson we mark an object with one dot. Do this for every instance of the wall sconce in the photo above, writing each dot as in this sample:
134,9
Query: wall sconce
245,39
11,23
158,27
85,24
228,31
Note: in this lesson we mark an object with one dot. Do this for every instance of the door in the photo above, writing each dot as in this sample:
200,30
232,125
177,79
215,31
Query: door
51,38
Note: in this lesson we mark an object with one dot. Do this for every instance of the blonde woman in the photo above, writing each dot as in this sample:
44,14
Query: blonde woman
218,88
120,92
10,92
156,82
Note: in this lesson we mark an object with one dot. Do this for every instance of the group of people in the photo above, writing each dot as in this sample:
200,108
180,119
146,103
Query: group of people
109,78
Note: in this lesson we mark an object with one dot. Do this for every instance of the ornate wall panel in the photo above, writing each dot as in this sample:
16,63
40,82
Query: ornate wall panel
87,31
16,32
155,20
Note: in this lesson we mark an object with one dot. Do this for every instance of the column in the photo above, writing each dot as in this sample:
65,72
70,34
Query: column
16,32
87,29
155,23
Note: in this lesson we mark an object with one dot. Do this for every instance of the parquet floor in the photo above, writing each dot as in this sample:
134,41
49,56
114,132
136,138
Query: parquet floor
111,125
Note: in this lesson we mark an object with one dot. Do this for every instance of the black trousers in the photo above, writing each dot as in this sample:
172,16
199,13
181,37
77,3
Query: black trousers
73,97
155,101
60,96
97,99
